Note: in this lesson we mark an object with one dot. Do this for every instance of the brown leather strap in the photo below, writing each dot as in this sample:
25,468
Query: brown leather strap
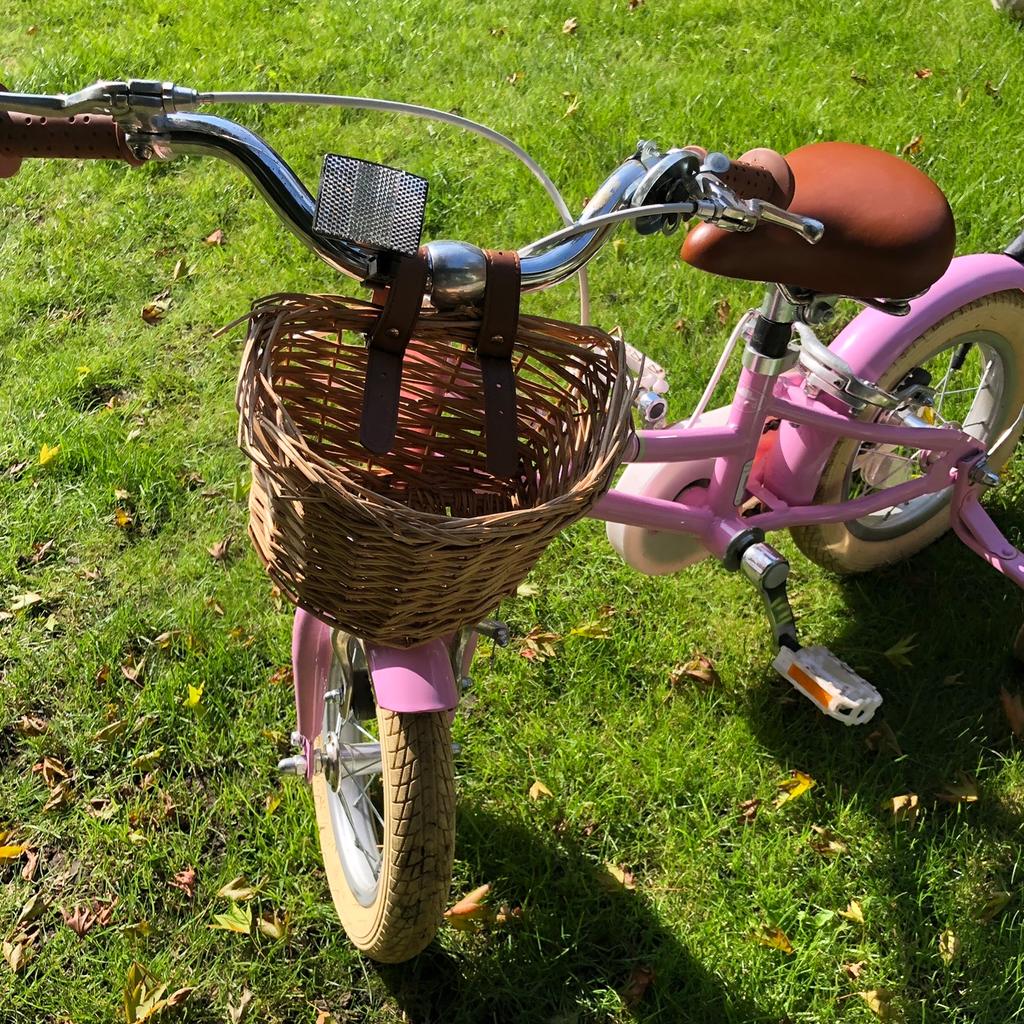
386,346
498,327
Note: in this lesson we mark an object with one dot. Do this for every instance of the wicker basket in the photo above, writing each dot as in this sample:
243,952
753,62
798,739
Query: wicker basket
416,543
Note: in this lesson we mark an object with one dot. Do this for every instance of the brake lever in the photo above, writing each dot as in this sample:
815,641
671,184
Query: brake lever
809,229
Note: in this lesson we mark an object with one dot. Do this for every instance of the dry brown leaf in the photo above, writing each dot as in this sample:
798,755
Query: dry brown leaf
80,920
854,912
827,843
101,807
913,146
923,73
60,797
570,25
514,78
723,311
1013,708
110,731
879,1001
272,925
698,669
133,670
538,790
17,951
994,905
237,889
640,979
31,725
882,740
634,4
949,946
219,551
33,909
748,811
21,602
185,881
538,644
181,269
963,791
905,807
215,237
238,1012
775,937
153,312
855,970
470,911
858,77
28,872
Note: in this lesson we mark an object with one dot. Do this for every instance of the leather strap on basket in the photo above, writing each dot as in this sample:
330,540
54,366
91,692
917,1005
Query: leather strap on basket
385,348
499,325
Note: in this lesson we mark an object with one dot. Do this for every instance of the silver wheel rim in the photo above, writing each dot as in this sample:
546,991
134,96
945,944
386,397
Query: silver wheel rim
356,820
981,404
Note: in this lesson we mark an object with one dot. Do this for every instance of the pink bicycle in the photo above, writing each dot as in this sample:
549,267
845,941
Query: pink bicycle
866,449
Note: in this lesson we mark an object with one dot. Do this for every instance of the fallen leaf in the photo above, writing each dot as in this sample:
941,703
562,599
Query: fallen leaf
897,654
28,872
826,843
272,925
776,938
48,453
237,919
195,695
470,911
33,909
185,881
111,731
854,971
23,601
103,675
273,802
142,929
282,675
215,606
879,1001
122,519
854,912
499,30
154,312
16,954
923,73
514,78
527,590
910,149
905,807
16,469
143,995
570,25
992,90
858,77
949,946
132,670
215,237
640,979
748,811
12,851
883,740
31,725
595,630
148,761
954,680
962,95
622,876
538,644
51,771
793,788
699,669
994,905
634,4
237,889
574,105
60,797
723,311
963,791
219,551
238,1012
538,790
80,920
181,269
1013,708
101,807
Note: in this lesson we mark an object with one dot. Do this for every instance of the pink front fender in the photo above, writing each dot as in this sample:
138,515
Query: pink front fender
871,343
414,680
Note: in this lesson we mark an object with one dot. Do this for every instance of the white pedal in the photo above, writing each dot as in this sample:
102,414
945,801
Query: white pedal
830,684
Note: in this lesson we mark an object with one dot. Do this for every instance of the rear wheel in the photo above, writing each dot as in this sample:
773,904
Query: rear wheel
385,808
975,357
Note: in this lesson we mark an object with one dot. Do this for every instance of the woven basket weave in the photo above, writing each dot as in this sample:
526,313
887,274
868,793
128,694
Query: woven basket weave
411,545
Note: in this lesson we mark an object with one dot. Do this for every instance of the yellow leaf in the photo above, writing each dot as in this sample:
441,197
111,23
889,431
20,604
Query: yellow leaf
143,995
776,938
470,911
141,928
623,876
145,762
195,695
793,787
879,1002
109,732
854,912
595,630
272,926
237,919
48,453
538,789
12,852
527,590
949,946
122,519
23,601
273,802
83,371
570,26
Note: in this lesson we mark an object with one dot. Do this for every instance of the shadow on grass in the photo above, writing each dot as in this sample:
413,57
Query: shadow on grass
578,943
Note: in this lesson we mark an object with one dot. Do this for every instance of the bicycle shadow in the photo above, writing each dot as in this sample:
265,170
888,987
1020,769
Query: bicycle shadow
579,950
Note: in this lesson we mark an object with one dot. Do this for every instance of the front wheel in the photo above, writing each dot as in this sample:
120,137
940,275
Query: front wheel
385,809
975,357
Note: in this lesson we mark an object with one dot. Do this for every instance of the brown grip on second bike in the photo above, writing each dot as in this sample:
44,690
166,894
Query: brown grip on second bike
80,137
759,174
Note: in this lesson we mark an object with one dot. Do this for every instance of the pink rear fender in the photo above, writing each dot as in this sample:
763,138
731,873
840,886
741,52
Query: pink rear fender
870,343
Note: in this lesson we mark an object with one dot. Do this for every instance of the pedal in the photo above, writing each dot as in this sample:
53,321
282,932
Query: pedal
830,684
370,204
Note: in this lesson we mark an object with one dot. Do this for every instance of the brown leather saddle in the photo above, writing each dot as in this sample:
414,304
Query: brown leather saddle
889,231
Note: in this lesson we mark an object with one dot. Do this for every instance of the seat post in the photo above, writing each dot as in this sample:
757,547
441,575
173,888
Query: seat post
773,328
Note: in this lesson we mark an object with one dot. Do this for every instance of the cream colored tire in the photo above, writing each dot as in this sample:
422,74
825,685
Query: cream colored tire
997,323
417,802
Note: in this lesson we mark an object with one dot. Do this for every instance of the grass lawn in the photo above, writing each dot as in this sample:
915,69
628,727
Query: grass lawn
134,616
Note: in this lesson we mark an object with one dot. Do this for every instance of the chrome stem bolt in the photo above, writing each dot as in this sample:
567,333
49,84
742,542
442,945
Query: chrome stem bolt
296,738
981,474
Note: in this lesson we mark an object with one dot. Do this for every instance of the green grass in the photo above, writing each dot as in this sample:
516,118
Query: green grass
643,775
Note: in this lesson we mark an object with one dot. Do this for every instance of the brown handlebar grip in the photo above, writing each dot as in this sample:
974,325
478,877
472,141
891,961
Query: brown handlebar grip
759,174
81,137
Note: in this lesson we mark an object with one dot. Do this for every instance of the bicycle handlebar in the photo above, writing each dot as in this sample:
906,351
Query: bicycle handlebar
139,120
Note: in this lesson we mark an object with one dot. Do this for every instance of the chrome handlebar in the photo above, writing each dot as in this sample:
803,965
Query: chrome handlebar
159,122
